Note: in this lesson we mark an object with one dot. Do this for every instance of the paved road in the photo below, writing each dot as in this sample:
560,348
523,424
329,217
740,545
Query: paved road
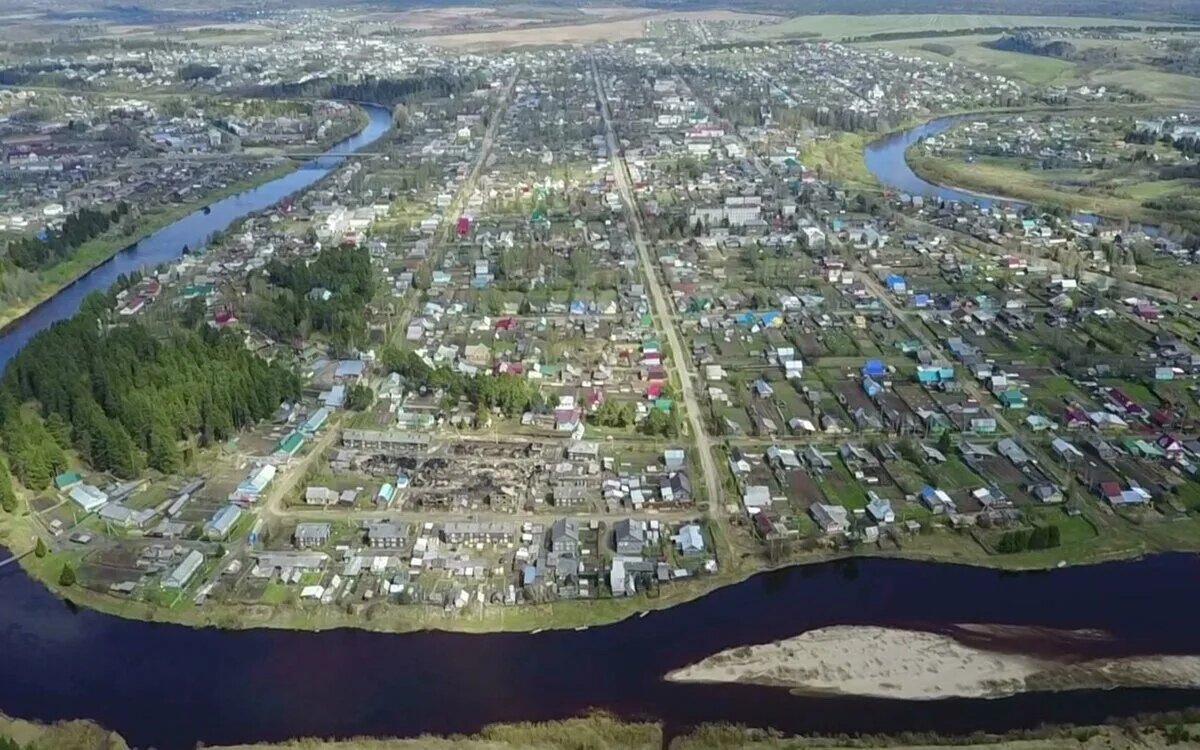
680,358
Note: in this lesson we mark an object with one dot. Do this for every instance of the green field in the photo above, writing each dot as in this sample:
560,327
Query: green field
969,50
833,26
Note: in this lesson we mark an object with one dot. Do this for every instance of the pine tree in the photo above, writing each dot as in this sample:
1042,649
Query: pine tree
67,577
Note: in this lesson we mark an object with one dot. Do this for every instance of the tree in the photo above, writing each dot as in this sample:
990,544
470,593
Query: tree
67,577
359,398
39,550
945,443
8,497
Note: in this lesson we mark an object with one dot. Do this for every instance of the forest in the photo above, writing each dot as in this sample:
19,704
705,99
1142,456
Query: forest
328,296
124,398
56,245
385,91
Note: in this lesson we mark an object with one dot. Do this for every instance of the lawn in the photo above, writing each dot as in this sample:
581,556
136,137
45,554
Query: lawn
955,475
841,489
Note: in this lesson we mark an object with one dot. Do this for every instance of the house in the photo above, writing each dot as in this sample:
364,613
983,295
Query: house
311,535
1115,495
676,488
477,532
88,497
629,536
689,540
320,496
937,500
384,535
880,509
583,450
833,519
223,522
756,497
253,485
183,573
1013,452
1045,492
674,459
67,480
564,536
125,517
1065,450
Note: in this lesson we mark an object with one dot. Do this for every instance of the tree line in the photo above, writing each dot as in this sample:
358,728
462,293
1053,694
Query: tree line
385,91
1020,540
56,244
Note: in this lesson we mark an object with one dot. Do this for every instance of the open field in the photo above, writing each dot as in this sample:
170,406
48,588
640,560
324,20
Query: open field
576,34
913,665
970,50
1126,71
833,26
839,157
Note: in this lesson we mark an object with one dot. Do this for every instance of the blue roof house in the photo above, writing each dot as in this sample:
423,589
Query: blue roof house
874,369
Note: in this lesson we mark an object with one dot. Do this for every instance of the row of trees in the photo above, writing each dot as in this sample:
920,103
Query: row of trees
1020,540
385,91
511,394
124,399
55,245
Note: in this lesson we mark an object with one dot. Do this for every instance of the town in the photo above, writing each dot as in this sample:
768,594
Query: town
590,330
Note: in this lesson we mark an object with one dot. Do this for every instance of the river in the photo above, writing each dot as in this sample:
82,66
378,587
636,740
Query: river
171,686
192,230
886,160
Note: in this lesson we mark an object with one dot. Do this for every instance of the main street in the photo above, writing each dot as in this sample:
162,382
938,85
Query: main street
680,360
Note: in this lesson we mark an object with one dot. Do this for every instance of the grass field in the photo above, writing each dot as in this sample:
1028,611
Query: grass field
969,50
833,26
840,158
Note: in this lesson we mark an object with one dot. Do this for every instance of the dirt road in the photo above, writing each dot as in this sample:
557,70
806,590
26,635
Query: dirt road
662,310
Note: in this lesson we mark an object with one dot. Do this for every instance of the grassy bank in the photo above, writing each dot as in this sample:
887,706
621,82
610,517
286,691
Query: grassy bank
95,252
603,732
63,735
1028,186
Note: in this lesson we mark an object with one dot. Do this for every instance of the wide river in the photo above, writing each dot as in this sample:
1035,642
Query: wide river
171,686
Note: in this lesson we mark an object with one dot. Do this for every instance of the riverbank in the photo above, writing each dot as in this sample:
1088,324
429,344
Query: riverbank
601,731
96,252
901,664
